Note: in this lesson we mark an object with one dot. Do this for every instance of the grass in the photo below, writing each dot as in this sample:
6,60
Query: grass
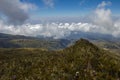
90,62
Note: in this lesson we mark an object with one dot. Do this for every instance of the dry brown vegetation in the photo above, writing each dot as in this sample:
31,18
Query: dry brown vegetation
83,58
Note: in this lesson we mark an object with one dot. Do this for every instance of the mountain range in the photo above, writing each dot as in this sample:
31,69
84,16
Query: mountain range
18,41
107,42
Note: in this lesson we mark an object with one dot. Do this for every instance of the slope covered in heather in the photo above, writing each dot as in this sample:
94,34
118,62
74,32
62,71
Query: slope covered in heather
81,61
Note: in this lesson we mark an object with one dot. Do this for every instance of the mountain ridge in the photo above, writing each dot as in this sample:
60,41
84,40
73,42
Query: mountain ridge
19,41
82,58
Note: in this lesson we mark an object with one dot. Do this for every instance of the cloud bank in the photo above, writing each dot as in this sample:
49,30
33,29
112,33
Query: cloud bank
15,11
47,30
102,22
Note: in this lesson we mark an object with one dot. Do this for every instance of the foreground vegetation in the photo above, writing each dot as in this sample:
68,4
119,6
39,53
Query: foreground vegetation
83,58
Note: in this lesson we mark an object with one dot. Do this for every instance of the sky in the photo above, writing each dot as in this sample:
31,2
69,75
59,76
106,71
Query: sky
61,8
59,18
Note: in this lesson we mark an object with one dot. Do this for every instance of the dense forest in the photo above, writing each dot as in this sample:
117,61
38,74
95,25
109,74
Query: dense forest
81,61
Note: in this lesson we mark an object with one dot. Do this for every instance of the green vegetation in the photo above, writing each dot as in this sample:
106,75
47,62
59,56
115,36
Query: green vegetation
90,62
50,44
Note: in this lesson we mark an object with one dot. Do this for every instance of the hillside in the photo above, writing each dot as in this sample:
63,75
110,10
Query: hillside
17,41
113,46
81,61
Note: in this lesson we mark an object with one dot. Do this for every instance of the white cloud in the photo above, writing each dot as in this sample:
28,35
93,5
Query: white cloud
103,4
15,11
116,32
49,3
103,19
103,15
101,22
56,30
28,6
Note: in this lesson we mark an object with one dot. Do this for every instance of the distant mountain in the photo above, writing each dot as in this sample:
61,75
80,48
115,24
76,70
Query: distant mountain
18,41
105,41
80,61
5,40
9,36
92,36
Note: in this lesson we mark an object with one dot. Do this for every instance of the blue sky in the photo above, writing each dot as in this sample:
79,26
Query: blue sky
70,7
59,18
